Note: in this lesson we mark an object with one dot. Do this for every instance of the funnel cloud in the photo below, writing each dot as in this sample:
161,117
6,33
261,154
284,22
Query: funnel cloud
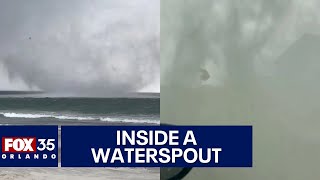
80,46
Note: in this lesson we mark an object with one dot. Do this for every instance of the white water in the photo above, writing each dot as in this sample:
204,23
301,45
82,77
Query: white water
80,118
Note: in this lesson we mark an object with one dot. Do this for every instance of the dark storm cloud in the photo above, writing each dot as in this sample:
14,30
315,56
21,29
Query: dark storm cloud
81,46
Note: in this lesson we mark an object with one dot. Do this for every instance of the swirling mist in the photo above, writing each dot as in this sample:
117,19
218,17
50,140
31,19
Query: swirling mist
233,40
80,46
263,61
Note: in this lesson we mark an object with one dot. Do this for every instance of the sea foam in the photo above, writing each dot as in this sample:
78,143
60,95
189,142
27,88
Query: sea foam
83,118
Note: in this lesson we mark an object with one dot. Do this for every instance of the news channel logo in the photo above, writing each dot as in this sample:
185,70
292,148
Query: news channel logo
29,146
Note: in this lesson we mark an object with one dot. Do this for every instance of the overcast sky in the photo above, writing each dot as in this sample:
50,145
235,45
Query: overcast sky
80,46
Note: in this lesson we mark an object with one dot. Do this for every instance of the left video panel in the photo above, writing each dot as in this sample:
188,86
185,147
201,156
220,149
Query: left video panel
77,62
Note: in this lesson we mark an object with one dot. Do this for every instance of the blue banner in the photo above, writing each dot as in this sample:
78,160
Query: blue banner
29,146
156,146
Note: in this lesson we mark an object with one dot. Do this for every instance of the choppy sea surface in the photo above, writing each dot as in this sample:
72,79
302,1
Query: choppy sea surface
102,111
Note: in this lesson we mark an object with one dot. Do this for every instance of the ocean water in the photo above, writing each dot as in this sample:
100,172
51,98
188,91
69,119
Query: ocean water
79,111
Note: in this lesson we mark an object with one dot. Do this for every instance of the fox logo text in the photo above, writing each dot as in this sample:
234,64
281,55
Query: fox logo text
15,145
27,148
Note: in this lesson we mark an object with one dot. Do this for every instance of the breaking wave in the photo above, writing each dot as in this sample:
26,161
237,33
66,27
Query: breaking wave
83,118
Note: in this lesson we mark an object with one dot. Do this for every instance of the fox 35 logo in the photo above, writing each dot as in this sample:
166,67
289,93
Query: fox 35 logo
28,148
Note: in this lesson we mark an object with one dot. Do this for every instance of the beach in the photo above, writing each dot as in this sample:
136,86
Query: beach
79,173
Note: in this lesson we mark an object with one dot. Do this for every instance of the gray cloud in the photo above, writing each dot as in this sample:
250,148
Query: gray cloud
236,37
81,46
